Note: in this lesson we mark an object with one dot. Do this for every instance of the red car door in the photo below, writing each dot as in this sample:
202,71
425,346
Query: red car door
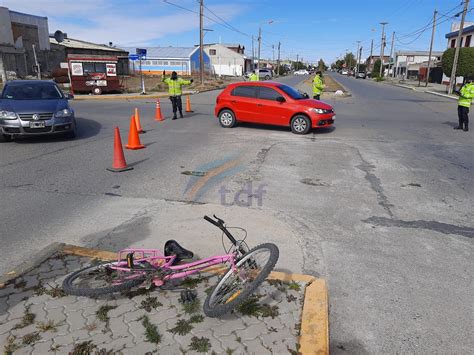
270,110
243,100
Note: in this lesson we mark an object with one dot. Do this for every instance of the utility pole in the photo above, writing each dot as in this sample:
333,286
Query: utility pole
431,48
253,54
452,81
201,41
259,45
357,60
391,53
371,53
278,60
382,47
273,50
296,65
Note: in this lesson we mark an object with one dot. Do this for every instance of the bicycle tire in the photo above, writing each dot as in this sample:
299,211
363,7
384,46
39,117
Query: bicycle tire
213,310
71,289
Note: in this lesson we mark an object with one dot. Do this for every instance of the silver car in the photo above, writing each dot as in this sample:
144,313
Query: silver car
35,107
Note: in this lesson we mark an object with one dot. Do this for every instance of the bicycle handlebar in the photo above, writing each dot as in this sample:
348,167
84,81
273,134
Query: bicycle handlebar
220,224
210,220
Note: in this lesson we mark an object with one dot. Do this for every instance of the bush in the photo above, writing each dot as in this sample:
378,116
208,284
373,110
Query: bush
379,78
465,65
376,69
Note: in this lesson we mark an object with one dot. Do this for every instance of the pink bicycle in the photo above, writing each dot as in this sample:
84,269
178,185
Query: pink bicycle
134,267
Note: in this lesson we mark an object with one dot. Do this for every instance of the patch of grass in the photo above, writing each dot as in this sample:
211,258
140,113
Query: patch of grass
200,345
191,307
197,318
250,307
151,331
229,351
28,318
150,303
102,313
84,348
269,311
182,327
46,326
30,338
55,291
295,286
10,346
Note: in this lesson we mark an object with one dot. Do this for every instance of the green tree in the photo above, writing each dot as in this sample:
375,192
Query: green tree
337,64
349,59
376,69
322,66
465,65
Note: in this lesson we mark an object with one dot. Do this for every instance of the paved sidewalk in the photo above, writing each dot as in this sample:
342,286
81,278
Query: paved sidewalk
36,317
432,88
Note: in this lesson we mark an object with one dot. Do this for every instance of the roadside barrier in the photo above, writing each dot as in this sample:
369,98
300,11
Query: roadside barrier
188,104
137,121
133,138
118,164
158,115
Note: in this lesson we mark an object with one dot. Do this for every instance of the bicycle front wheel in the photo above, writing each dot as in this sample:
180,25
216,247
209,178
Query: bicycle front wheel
238,284
99,280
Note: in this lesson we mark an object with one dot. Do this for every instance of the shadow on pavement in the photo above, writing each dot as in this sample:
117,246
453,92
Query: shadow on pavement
451,124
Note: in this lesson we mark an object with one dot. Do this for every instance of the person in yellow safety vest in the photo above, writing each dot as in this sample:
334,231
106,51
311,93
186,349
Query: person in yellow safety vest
318,85
466,94
174,89
253,76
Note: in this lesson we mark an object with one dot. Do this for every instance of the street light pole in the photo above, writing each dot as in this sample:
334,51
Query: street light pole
391,53
452,80
201,41
382,47
431,48
357,59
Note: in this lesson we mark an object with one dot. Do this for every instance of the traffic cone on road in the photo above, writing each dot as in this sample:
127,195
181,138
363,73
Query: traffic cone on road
133,138
188,104
118,164
158,115
137,121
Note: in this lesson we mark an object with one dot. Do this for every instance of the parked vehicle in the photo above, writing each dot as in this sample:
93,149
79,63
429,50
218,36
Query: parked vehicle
345,72
271,103
35,107
360,75
264,74
301,72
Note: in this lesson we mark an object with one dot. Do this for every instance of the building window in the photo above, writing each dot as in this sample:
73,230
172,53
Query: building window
154,62
410,58
468,41
453,43
212,52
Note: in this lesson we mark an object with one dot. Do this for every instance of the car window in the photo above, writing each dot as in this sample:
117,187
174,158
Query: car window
32,91
268,94
244,91
294,94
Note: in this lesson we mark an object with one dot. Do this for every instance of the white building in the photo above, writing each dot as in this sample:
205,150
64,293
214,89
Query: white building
226,61
466,36
408,63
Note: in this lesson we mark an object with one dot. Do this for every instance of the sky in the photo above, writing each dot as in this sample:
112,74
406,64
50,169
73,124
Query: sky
308,29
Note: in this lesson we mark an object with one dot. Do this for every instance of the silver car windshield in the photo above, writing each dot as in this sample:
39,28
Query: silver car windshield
32,91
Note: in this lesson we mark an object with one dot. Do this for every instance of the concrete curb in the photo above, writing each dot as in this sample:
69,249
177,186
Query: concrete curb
404,86
440,94
314,333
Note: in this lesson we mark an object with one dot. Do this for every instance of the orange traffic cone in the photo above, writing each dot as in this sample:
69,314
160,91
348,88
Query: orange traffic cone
133,138
137,121
188,104
119,164
158,115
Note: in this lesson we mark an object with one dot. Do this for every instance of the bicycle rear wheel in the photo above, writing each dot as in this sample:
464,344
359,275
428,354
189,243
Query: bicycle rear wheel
236,286
99,280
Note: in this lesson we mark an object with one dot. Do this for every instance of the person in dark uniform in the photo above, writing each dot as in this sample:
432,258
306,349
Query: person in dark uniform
175,91
466,93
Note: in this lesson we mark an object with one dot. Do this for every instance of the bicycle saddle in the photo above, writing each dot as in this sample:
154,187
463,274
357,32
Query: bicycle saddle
172,247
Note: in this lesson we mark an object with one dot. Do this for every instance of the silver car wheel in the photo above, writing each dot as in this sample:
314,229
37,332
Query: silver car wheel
299,124
226,118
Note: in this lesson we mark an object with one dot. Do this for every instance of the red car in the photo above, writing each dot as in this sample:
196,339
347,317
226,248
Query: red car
271,103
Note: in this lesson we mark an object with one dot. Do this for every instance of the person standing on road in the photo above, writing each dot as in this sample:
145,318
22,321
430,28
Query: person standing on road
253,76
466,93
174,89
318,85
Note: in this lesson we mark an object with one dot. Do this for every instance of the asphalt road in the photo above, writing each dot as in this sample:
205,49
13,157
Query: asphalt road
380,206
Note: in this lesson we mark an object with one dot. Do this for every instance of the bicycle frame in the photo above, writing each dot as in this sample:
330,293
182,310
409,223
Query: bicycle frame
156,258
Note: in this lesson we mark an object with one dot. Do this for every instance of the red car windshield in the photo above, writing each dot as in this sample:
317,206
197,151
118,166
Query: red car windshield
294,94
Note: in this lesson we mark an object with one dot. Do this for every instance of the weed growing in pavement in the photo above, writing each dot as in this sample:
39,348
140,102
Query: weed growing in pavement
30,338
49,325
298,329
197,318
192,282
10,346
53,291
20,284
269,311
83,348
295,286
102,313
291,298
54,348
274,282
191,307
209,290
200,345
182,327
28,318
104,351
294,352
229,351
251,307
149,303
151,331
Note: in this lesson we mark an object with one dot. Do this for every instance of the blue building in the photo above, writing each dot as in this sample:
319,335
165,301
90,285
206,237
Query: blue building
183,60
